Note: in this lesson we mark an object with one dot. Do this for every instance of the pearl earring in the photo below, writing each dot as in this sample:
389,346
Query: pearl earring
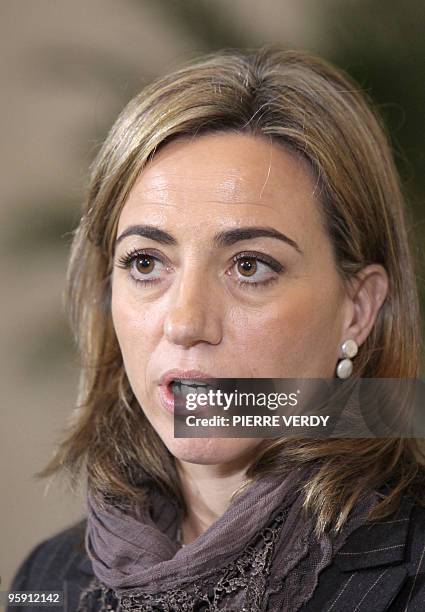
349,349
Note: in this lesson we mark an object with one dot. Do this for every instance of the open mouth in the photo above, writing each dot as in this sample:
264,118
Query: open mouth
182,386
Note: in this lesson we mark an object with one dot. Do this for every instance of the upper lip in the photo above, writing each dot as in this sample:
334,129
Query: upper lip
176,374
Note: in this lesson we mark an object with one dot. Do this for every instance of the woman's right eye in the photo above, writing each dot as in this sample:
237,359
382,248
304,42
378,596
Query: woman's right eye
144,263
141,264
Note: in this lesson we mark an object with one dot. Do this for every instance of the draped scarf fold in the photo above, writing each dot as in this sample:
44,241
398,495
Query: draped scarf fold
262,554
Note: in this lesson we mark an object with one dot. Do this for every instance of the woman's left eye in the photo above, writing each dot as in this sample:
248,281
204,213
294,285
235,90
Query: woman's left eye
263,270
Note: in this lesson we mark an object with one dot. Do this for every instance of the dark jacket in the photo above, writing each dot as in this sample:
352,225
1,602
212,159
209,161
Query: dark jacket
381,567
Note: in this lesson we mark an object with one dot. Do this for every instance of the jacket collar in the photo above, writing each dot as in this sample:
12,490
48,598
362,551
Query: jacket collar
377,544
85,566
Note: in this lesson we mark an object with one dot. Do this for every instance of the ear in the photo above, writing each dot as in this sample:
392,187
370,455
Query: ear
368,291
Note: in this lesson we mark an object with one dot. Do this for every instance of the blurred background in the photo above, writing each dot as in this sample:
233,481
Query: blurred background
67,69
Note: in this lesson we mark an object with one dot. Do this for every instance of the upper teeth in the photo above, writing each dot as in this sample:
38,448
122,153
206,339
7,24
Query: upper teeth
193,384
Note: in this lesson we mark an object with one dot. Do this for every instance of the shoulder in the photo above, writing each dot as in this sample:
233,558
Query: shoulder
417,523
412,596
380,567
52,560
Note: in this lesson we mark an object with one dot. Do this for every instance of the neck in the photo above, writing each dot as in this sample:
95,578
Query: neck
207,490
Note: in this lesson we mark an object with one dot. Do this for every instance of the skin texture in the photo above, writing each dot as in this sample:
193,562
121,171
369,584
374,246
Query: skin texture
198,316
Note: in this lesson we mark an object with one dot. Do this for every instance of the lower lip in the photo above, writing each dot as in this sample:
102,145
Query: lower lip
166,396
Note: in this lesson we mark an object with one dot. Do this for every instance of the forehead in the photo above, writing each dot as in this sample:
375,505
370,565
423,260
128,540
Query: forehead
224,176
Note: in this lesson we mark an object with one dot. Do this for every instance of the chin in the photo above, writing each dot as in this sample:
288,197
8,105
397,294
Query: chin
209,451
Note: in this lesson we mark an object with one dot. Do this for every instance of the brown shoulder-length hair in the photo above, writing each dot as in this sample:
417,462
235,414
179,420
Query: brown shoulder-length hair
315,111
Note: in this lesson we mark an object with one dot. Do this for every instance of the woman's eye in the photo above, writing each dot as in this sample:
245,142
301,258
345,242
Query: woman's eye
147,268
144,264
254,271
144,268
247,266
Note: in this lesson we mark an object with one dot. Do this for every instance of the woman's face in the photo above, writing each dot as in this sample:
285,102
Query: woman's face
186,303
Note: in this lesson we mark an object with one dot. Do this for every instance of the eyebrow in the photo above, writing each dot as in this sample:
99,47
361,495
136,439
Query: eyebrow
222,239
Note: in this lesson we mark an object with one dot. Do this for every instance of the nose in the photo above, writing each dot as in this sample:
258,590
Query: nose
192,316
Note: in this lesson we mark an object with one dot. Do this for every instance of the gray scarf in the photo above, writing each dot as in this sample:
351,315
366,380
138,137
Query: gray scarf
260,555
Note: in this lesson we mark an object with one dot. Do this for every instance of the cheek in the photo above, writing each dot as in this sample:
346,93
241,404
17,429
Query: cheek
135,327
291,334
